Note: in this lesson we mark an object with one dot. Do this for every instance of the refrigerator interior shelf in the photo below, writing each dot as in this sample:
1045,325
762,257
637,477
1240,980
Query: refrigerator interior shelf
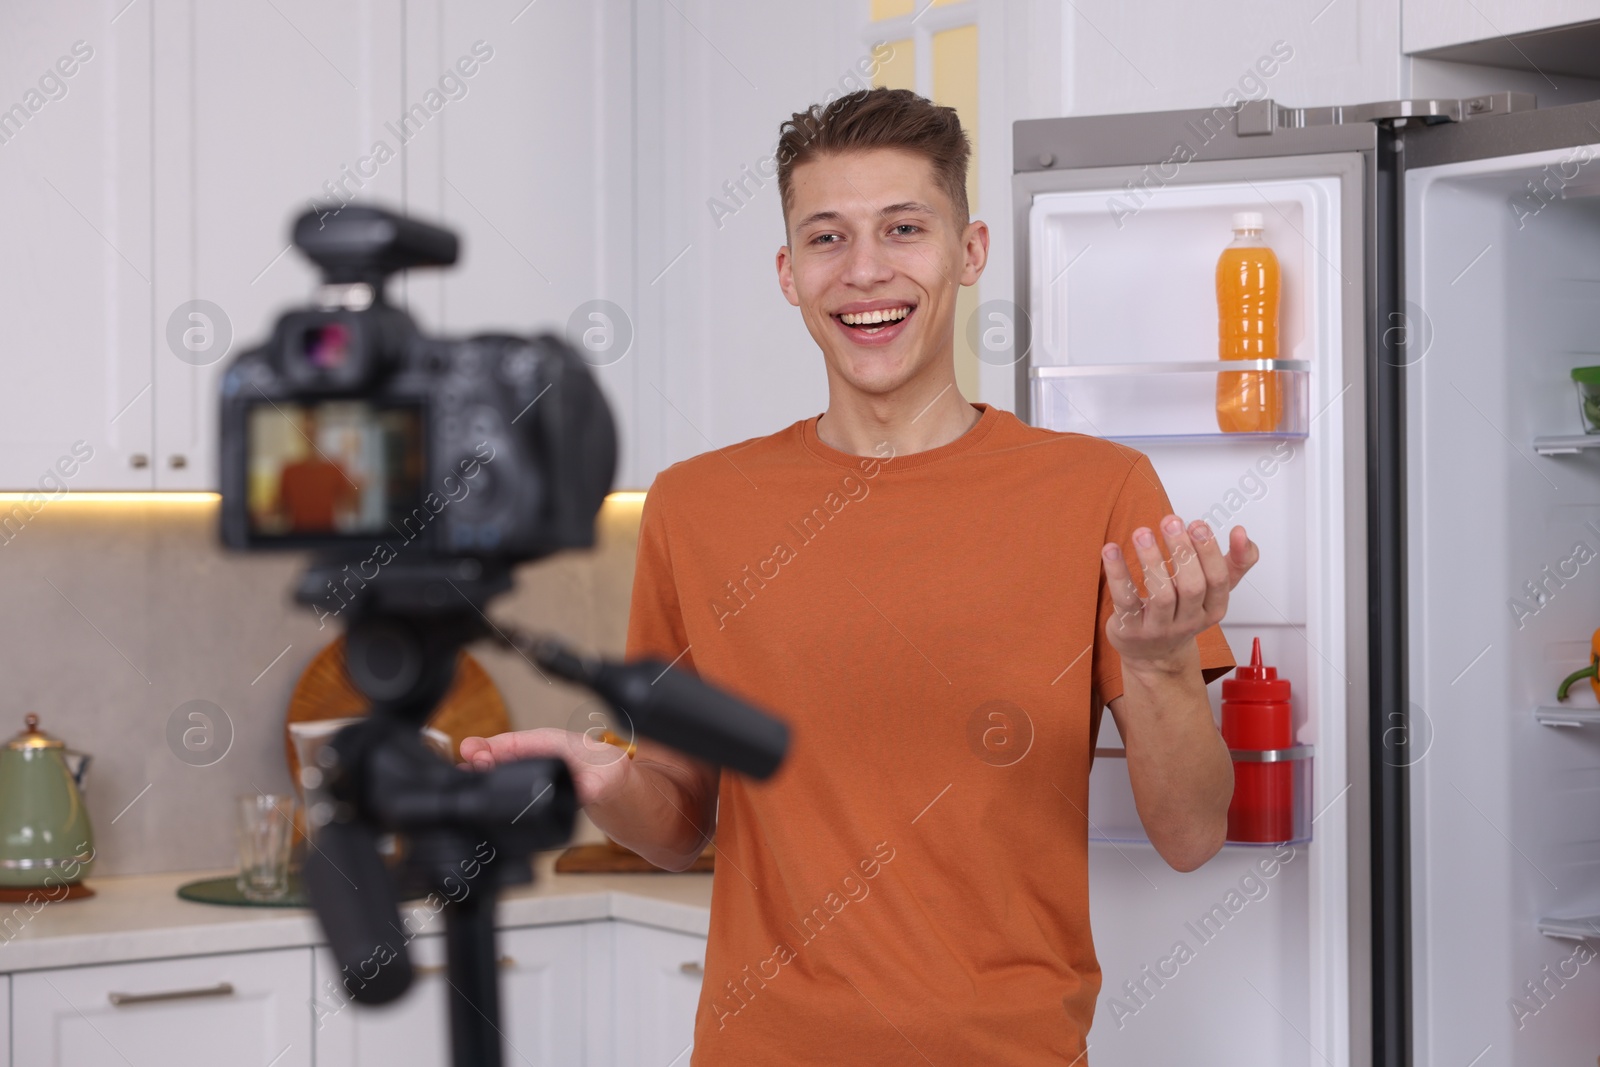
1560,716
1174,401
1566,445
1586,928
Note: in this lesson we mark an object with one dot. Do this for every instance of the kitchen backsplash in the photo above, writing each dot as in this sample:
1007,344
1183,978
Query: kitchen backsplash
116,614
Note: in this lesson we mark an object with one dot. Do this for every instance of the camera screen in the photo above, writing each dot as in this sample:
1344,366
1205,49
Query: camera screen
332,468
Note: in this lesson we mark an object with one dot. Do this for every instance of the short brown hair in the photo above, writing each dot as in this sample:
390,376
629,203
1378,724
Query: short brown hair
878,118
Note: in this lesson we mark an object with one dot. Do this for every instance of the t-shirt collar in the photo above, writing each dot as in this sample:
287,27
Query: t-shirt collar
988,417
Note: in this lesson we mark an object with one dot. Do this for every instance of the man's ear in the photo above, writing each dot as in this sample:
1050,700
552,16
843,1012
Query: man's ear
786,276
976,251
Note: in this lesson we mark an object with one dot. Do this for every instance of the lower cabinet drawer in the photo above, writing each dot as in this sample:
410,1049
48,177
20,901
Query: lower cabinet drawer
244,1008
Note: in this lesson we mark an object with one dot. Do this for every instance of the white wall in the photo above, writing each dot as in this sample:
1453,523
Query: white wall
721,356
1143,57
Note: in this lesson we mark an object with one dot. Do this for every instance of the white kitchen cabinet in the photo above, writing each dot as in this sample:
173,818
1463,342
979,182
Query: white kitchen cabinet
1431,24
413,1029
657,977
527,154
541,1006
165,170
75,277
423,106
5,1020
245,1008
261,111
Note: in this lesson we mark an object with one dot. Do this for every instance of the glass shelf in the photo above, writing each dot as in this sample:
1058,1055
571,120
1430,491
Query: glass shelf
1556,715
1585,928
1169,402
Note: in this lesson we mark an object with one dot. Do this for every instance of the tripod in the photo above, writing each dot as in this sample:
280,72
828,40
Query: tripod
467,834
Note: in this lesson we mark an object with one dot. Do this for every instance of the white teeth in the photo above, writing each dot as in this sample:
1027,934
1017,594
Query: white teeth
868,317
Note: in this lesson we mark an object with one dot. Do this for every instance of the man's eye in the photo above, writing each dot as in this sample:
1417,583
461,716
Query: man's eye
913,227
820,238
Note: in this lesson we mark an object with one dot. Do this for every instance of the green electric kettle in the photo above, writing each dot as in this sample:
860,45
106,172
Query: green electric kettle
45,838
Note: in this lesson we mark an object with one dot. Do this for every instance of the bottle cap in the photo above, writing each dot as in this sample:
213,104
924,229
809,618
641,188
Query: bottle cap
1256,682
1249,220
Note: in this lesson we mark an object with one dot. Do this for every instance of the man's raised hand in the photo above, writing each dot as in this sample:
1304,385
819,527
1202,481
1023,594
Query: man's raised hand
1182,597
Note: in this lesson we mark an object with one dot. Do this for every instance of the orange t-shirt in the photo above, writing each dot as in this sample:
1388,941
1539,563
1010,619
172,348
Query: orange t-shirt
311,491
912,884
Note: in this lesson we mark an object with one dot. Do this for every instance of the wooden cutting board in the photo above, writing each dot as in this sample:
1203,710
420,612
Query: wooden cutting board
612,858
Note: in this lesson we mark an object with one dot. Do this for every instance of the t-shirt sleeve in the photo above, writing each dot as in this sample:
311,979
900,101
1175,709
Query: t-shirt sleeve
656,627
1142,502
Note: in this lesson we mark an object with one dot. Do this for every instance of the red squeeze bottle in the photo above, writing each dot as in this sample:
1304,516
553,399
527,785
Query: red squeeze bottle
1255,715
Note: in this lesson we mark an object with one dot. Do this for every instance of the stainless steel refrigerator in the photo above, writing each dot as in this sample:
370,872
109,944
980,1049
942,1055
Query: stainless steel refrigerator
1428,509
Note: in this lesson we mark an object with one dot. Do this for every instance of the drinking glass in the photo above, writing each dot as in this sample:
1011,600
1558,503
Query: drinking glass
266,832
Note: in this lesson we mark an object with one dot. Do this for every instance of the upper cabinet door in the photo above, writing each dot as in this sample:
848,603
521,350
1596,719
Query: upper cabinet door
517,129
75,277
261,112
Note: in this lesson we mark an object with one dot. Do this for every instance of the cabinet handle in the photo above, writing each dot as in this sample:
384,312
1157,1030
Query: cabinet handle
139,461
692,967
177,462
221,989
422,970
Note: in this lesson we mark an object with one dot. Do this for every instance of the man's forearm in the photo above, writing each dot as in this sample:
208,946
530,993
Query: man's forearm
1178,763
658,815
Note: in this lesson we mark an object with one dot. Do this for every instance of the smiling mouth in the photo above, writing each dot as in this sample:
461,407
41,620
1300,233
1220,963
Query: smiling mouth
871,322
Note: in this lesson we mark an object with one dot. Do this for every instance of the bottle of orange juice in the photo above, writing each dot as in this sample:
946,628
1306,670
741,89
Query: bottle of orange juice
1247,328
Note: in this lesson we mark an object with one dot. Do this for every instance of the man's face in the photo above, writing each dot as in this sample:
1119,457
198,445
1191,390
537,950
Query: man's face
871,233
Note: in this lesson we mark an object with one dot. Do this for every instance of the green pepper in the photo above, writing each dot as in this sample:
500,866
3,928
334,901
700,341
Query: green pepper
1591,672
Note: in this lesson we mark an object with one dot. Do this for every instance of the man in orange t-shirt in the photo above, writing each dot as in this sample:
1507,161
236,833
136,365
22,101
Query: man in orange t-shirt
937,598
314,492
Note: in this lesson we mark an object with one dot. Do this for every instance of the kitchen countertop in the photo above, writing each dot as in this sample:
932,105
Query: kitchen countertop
141,917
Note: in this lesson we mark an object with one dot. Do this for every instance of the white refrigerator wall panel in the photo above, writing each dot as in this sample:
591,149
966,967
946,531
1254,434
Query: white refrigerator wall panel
1504,587
1251,950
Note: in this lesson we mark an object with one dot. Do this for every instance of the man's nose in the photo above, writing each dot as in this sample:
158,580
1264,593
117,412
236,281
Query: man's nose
866,263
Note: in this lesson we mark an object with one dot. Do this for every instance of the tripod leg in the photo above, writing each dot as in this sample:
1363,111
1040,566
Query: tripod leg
475,1038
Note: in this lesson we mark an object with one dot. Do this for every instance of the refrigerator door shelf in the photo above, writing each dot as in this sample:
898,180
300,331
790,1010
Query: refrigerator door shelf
1114,819
1162,401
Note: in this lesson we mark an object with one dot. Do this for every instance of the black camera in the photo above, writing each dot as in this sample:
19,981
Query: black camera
352,433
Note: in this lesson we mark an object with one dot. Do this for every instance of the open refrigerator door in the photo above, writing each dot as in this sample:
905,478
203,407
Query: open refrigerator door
1502,279
1428,509
1261,949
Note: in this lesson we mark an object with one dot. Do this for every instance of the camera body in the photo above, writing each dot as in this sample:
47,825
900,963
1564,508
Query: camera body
351,432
